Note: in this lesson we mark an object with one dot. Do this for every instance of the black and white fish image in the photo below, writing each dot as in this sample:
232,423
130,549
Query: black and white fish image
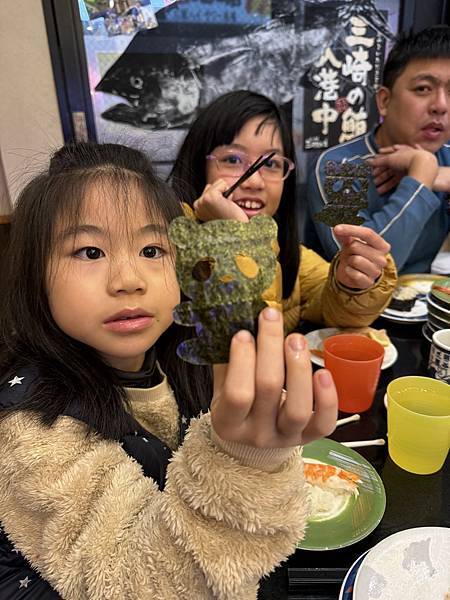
164,76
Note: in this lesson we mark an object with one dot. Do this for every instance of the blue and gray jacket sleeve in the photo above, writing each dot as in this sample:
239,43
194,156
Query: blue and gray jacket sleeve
399,217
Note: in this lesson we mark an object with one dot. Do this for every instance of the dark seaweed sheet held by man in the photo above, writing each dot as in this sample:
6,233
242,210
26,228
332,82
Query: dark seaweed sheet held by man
346,186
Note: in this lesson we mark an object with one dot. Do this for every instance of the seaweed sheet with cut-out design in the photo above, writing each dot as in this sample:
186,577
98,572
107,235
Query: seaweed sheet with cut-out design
223,267
346,186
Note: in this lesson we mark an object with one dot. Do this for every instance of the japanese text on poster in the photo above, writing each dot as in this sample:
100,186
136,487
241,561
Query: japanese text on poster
339,100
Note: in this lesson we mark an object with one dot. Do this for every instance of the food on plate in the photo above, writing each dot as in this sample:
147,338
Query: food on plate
403,298
331,488
324,474
440,293
378,335
442,288
316,352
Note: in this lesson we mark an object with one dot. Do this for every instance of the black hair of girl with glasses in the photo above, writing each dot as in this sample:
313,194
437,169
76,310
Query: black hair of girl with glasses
217,125
70,369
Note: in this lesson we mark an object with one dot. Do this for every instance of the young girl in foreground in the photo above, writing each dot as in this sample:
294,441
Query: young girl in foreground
229,134
93,400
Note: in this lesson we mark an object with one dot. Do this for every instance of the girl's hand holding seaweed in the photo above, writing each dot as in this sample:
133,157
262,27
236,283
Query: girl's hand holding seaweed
213,205
249,406
362,258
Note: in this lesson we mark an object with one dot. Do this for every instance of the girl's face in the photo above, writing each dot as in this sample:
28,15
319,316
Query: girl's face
110,286
257,195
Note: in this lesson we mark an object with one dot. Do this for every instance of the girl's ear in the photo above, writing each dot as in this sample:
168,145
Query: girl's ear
383,98
183,231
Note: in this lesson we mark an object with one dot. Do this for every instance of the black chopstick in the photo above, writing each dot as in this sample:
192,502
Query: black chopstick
259,162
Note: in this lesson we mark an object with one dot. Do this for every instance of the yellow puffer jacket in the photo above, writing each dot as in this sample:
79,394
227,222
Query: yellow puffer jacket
320,298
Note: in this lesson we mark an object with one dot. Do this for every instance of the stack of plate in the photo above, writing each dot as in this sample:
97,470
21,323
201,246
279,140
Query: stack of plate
438,304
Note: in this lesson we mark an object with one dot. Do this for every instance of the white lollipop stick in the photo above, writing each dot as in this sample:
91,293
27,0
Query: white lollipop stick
361,443
347,420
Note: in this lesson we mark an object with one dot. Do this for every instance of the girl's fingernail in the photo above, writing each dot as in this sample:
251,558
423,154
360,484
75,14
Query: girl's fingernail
325,378
297,344
271,314
243,336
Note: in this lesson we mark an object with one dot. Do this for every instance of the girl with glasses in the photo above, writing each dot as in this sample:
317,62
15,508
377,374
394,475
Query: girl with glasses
227,136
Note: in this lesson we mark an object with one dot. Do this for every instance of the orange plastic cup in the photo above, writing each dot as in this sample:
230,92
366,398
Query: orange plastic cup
355,363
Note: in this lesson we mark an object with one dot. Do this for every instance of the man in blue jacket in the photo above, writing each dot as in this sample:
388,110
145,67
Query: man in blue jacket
409,154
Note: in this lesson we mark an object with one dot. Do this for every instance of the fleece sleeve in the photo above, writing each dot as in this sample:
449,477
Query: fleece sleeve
81,511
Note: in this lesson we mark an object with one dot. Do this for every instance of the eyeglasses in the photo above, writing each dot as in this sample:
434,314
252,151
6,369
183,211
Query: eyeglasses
233,163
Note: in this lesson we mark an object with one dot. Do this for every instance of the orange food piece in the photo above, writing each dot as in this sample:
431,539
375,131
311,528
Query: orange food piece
320,473
316,352
441,288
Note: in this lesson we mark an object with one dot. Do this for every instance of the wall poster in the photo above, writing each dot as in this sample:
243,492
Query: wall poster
339,100
153,64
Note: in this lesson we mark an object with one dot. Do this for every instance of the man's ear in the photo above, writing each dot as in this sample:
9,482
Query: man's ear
383,98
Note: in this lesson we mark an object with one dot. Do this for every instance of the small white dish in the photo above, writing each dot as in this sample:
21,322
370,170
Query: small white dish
316,337
418,312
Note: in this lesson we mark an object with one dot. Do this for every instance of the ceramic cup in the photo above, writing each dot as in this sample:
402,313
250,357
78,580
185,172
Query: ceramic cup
439,363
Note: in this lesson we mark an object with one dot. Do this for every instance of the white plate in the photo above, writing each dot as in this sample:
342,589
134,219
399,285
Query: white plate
426,333
411,564
430,300
346,591
317,336
418,313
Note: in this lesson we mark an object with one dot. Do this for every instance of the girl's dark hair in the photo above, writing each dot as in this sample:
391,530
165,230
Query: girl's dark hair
217,125
430,43
70,370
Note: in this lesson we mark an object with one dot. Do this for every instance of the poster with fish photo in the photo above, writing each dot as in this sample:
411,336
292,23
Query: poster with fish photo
148,86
